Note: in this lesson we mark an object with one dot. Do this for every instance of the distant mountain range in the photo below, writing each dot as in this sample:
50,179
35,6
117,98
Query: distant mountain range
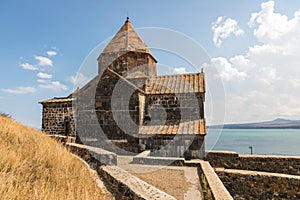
278,123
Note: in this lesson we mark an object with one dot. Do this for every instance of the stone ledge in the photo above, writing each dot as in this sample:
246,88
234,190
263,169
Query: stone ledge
217,189
61,138
221,152
257,173
94,154
129,186
151,160
144,153
268,156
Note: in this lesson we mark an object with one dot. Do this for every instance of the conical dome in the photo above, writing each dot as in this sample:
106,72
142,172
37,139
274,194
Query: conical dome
126,39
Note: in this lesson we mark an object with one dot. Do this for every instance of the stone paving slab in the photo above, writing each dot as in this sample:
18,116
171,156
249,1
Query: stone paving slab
192,176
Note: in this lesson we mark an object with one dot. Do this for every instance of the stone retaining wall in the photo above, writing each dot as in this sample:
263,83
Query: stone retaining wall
244,184
266,163
92,155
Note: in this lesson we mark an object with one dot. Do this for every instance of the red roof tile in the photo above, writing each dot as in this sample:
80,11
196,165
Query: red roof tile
57,100
185,128
181,83
126,39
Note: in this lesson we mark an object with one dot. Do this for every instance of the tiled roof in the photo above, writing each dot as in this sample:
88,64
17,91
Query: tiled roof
126,39
57,100
181,83
186,128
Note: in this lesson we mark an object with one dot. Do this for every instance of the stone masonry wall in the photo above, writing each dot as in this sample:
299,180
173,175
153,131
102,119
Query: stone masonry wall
54,115
266,163
260,185
104,107
117,107
129,64
175,108
87,124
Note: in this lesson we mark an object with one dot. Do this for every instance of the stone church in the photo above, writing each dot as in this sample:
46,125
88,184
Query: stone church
127,107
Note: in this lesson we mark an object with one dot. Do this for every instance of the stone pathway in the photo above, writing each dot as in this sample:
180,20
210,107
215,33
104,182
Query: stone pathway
131,187
190,174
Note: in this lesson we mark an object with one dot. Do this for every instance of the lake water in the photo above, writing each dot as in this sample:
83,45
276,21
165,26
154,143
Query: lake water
263,141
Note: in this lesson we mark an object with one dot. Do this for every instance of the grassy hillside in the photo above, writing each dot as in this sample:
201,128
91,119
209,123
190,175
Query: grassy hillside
32,166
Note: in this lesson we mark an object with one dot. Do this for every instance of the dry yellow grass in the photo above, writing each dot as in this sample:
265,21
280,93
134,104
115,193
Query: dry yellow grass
32,166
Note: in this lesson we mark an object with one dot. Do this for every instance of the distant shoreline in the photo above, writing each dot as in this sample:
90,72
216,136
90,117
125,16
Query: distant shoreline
278,123
224,127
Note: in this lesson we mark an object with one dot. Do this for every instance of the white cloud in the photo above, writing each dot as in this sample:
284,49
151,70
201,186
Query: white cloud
271,86
20,90
79,80
260,105
51,53
44,75
224,28
28,66
271,26
54,85
264,49
42,81
267,75
179,70
241,62
43,61
225,69
276,29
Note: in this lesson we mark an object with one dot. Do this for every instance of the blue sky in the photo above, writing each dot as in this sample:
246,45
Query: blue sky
44,43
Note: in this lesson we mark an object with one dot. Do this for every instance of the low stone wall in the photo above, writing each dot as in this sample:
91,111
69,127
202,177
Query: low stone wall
266,163
211,185
243,184
93,155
